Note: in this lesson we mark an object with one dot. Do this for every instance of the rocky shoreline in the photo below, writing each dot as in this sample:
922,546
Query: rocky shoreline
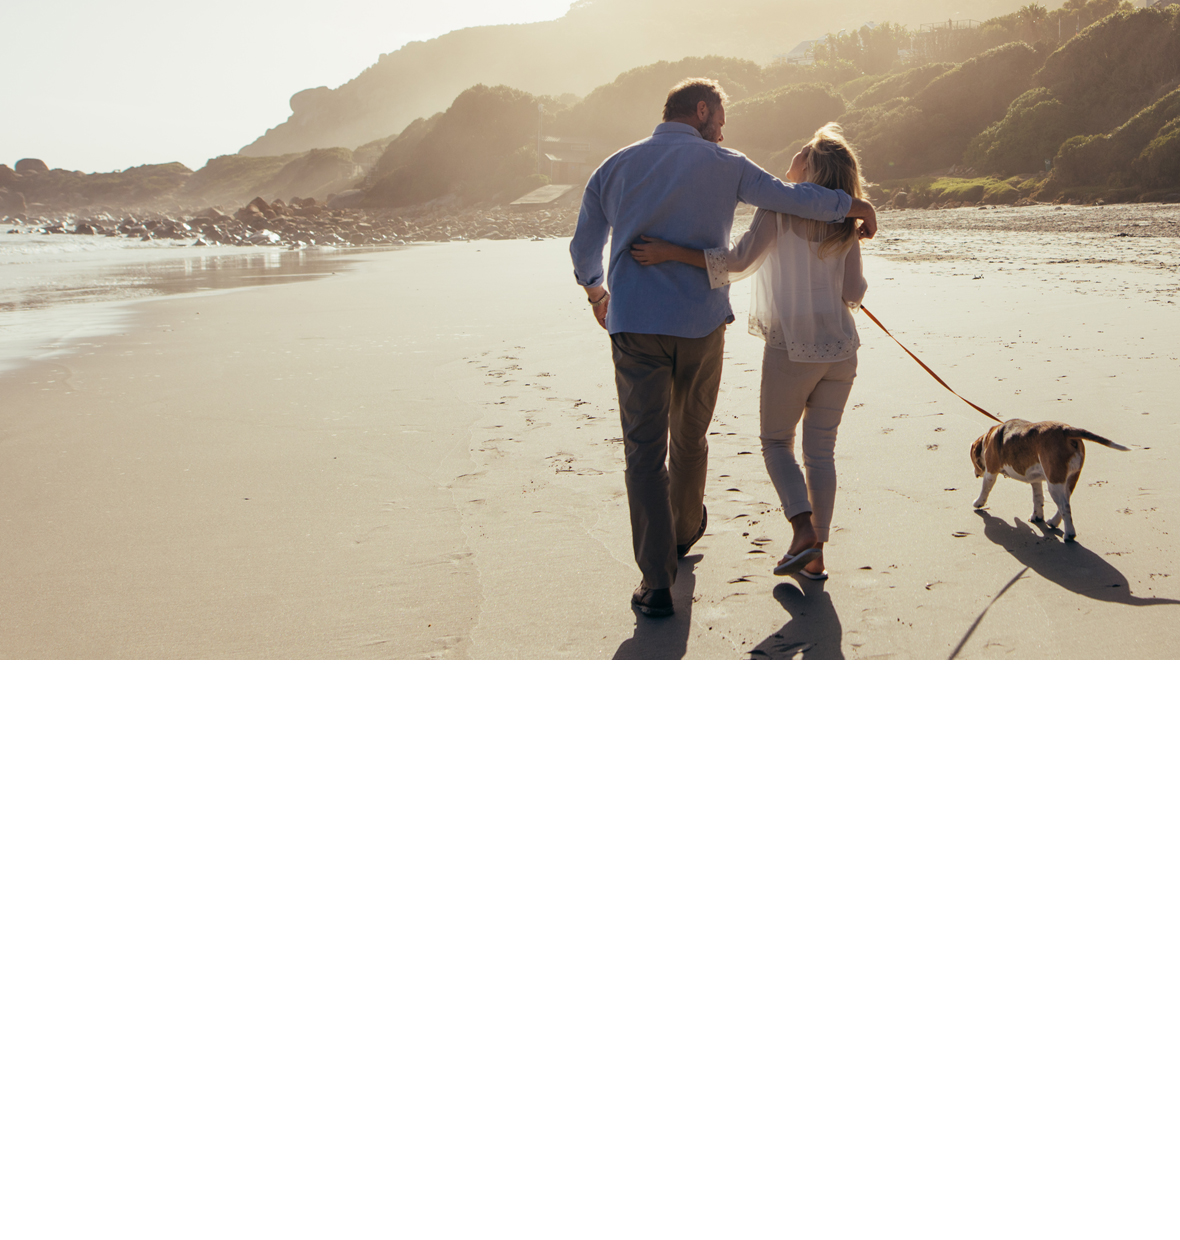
304,222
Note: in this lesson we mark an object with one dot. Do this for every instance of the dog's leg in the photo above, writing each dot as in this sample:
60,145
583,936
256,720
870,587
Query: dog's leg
989,481
1059,493
1038,502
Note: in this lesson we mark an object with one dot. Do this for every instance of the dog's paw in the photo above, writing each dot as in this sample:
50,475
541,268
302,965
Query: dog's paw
979,503
1070,537
1037,518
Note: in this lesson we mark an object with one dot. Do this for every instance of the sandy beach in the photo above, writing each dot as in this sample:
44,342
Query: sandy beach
415,454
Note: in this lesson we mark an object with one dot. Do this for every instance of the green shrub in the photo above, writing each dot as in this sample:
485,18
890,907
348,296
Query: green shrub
900,85
1083,159
1158,164
766,123
970,189
1123,154
1115,67
1034,126
980,89
932,128
857,87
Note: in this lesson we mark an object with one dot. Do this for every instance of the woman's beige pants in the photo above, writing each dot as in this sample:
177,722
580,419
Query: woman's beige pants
815,392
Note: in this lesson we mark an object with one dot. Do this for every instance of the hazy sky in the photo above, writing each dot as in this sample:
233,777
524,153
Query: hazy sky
99,88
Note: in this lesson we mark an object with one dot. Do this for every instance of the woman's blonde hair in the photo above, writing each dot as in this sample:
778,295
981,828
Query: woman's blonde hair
832,163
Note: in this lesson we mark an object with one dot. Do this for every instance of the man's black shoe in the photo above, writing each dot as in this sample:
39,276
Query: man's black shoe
682,549
649,602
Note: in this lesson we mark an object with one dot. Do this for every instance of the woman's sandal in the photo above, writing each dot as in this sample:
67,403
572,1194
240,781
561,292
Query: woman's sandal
812,576
794,563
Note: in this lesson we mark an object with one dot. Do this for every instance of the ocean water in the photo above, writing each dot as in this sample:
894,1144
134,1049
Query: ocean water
57,291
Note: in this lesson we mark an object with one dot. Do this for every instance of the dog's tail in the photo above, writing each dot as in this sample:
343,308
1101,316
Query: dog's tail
1076,433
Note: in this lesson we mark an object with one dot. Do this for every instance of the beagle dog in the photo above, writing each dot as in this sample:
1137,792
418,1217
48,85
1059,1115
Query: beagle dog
1036,452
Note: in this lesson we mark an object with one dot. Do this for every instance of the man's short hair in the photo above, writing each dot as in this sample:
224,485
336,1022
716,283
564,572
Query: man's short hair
684,97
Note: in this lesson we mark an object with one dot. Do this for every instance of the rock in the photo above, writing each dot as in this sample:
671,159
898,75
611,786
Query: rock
84,229
349,198
900,199
211,213
8,176
12,200
31,165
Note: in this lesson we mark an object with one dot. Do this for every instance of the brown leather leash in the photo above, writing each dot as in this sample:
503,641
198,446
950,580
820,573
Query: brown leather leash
926,368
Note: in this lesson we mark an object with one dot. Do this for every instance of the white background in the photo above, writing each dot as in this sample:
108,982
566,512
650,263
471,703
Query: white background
543,952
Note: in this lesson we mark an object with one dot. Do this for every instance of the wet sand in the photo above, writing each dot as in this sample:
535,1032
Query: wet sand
419,457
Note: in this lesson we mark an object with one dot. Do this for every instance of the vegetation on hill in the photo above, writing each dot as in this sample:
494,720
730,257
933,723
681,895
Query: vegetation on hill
1095,107
772,126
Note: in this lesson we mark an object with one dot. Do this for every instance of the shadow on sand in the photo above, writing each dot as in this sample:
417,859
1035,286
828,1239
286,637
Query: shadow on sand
814,630
1069,565
666,638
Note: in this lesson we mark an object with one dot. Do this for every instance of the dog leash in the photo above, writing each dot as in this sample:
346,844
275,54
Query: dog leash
926,368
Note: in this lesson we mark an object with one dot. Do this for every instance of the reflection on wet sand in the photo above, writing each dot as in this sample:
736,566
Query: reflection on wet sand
169,277
52,309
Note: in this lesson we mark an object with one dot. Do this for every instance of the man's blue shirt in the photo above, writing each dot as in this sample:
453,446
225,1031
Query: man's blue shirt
681,188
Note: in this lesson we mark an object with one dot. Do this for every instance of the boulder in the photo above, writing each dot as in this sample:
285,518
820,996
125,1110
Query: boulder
31,165
84,228
8,176
349,198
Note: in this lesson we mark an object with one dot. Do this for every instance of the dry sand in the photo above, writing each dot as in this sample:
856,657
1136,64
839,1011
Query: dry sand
419,457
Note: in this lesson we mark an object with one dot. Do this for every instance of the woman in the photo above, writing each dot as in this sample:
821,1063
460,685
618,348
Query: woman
808,284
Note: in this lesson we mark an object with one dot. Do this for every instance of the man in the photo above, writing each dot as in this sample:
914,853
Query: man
667,327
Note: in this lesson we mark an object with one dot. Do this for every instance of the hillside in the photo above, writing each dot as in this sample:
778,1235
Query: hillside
592,43
1082,102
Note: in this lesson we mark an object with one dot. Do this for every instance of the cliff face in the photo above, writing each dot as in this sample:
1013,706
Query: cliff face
593,43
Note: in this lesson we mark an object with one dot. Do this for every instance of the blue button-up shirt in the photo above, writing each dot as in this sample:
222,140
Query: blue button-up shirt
681,188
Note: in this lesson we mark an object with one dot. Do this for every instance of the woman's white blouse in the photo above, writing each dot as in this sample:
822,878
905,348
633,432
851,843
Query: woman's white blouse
800,302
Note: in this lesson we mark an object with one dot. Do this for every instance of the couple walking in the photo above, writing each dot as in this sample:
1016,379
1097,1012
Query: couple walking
667,204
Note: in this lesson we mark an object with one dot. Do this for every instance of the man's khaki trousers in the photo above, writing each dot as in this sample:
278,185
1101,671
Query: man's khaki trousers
667,393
